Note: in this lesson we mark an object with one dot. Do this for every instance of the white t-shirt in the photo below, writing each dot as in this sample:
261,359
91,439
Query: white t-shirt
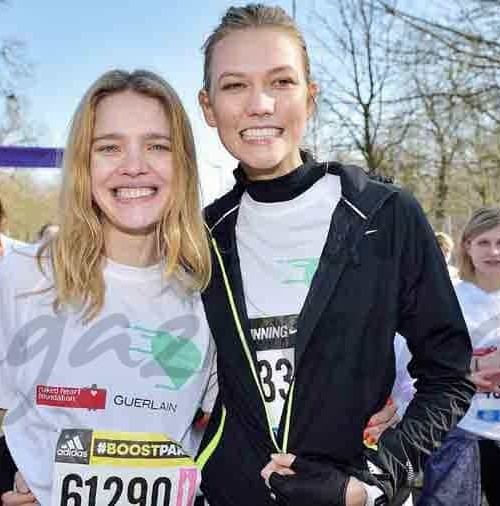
482,315
453,271
7,244
279,246
144,364
403,389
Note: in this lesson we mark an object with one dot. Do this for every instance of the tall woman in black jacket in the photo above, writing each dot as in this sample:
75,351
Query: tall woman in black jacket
316,267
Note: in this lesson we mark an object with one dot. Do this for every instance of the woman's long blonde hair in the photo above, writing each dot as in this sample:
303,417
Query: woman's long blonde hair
76,252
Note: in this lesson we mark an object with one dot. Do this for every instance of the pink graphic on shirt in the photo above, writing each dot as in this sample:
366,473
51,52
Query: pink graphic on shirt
187,487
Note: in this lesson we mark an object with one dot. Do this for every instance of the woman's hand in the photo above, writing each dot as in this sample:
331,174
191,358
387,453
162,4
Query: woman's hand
21,497
486,360
355,494
380,421
487,380
280,463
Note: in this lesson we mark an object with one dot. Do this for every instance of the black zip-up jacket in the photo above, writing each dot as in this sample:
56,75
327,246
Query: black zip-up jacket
380,272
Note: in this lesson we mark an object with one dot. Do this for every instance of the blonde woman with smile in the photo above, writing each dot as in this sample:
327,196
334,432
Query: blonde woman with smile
315,269
469,458
103,336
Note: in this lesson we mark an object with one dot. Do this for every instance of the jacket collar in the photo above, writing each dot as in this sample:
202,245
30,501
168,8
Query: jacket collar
285,187
362,192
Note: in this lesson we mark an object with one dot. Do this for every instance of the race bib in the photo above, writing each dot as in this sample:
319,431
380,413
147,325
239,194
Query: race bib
486,406
94,468
274,341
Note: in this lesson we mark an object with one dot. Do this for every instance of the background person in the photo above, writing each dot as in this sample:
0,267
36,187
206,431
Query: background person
446,244
455,473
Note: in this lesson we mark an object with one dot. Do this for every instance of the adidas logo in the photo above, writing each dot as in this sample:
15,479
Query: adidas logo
72,448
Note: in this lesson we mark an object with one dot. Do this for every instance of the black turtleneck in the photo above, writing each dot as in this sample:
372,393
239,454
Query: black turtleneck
285,187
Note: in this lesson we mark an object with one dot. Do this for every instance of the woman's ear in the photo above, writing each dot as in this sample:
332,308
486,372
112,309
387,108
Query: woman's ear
313,92
204,100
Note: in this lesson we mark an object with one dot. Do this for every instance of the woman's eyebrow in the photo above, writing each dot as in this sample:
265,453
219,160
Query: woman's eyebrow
273,70
107,136
117,136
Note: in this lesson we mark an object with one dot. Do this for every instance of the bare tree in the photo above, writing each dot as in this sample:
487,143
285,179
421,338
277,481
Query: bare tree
442,124
471,33
353,64
452,58
482,168
16,72
470,37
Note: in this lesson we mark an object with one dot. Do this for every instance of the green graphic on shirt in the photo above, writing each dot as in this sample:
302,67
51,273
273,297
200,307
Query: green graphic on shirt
178,358
307,268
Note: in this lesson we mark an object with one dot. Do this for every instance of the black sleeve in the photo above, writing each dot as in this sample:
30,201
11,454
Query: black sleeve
431,320
7,467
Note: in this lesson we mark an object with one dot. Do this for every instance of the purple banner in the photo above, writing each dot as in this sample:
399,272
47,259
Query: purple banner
30,157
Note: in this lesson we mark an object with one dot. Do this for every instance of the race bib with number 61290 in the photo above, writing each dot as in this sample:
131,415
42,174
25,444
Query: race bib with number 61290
94,468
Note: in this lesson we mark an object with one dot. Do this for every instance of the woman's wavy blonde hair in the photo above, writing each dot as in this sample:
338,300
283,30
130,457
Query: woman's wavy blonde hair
76,253
481,221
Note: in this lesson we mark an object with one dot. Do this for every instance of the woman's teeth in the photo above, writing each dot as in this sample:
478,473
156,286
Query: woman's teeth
134,193
261,133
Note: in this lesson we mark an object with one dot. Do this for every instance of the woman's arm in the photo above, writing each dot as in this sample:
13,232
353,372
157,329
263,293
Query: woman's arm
431,320
21,496
7,467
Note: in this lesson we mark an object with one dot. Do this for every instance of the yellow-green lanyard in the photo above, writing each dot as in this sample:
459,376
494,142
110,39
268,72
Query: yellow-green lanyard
251,362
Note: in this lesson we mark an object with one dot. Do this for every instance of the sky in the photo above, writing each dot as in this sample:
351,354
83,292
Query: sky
72,42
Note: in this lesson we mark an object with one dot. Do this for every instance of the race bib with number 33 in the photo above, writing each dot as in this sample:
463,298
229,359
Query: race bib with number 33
274,342
94,468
